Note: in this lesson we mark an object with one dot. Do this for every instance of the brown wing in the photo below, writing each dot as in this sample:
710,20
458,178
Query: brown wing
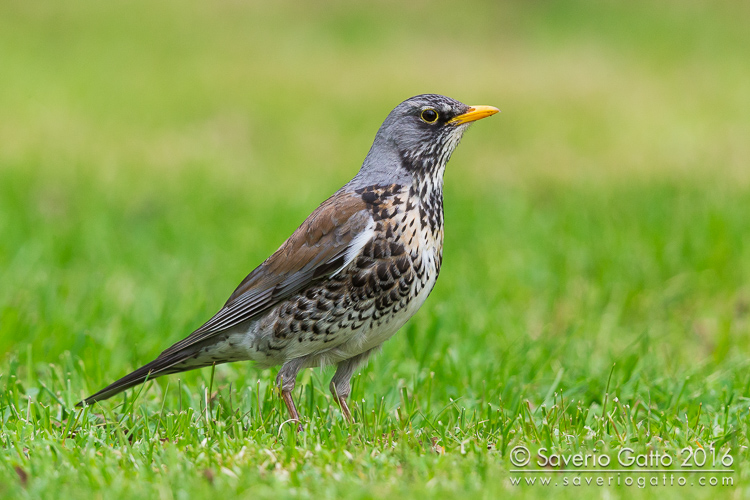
325,243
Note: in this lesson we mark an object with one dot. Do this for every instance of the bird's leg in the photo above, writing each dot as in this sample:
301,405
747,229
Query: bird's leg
340,388
286,380
287,397
340,398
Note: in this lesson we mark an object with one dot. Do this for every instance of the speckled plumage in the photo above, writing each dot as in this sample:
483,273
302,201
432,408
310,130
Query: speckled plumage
351,275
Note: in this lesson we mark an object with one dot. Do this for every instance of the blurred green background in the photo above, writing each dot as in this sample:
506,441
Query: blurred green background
152,153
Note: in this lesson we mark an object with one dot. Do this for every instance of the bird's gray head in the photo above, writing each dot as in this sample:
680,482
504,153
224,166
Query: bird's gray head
417,138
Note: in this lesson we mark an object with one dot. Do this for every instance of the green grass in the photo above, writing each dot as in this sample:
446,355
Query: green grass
594,294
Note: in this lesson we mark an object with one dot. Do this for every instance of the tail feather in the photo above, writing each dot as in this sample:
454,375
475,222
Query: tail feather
163,365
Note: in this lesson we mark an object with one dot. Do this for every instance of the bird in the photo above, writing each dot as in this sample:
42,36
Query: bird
350,276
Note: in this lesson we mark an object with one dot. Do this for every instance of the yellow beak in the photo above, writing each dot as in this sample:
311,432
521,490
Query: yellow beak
475,113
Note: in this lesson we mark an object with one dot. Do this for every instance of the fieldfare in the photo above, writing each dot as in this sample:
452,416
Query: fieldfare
351,275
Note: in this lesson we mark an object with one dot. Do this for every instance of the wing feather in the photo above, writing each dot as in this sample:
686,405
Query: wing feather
322,246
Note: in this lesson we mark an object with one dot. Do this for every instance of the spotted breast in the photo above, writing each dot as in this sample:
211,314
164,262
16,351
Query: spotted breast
366,302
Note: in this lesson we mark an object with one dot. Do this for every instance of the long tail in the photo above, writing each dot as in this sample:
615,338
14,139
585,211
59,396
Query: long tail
175,362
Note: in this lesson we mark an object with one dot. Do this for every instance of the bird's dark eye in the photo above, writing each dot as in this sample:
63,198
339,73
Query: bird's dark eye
429,115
